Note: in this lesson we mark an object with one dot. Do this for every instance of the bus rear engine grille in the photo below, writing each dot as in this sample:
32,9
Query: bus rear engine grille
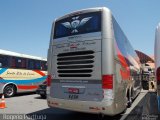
75,64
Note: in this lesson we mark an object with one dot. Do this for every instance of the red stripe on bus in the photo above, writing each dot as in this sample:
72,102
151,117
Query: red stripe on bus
125,72
27,87
39,72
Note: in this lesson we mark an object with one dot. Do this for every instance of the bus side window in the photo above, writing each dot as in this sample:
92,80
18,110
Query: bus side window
1,60
30,64
18,62
24,63
37,65
43,65
13,62
4,60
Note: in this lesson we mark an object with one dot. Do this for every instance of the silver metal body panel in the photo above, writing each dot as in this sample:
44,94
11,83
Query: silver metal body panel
157,56
83,42
105,101
157,48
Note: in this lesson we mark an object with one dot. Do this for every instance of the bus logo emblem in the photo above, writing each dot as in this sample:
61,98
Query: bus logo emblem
75,24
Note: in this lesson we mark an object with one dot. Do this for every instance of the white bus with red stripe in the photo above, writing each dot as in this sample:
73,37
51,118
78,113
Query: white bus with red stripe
20,72
157,62
92,66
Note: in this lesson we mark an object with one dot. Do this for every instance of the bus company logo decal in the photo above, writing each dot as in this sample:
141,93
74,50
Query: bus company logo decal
76,23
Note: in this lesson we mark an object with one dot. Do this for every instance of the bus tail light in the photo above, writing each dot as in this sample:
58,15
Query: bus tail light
158,74
107,81
49,80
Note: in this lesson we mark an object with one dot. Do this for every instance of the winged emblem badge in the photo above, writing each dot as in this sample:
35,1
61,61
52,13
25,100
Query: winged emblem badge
76,23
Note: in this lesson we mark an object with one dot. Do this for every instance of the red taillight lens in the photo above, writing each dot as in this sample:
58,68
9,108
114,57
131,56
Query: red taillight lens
49,80
158,74
107,81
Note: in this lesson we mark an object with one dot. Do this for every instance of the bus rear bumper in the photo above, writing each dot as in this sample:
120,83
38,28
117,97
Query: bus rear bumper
103,107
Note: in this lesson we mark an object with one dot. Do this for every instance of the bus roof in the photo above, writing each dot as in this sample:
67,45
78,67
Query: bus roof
83,11
10,53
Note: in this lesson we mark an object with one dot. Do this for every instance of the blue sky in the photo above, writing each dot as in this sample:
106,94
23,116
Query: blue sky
25,25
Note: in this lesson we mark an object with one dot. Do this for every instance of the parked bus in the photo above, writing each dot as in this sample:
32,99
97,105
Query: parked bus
92,66
20,72
157,62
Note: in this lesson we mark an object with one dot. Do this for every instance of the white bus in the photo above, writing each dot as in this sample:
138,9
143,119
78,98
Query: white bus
92,66
20,72
157,62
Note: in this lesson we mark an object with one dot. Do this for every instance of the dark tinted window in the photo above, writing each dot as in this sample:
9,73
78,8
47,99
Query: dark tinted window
4,61
18,62
31,64
79,24
43,65
24,63
13,62
37,65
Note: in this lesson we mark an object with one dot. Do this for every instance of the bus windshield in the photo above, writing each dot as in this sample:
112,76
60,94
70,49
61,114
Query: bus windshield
78,24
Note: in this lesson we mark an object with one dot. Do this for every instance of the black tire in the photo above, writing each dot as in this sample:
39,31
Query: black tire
9,91
129,98
43,96
129,104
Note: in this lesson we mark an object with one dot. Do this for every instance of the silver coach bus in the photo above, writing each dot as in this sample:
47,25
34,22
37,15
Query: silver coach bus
92,66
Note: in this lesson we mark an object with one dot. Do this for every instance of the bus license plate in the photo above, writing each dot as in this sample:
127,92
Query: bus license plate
73,90
73,96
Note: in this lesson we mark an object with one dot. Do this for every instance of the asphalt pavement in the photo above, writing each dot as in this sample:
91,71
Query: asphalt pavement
33,107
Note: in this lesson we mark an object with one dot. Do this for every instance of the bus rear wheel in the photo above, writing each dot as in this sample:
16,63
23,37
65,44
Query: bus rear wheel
129,98
9,91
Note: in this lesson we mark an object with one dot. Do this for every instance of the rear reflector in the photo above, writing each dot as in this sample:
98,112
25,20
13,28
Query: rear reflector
107,81
49,80
54,103
94,108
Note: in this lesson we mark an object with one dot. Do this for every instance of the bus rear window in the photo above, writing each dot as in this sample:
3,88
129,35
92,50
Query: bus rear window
79,24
